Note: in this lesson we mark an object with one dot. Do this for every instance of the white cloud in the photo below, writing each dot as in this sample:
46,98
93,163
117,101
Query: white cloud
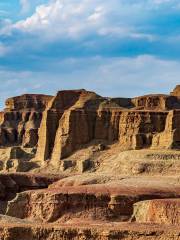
136,76
77,18
97,14
126,77
6,27
63,18
25,6
129,32
69,18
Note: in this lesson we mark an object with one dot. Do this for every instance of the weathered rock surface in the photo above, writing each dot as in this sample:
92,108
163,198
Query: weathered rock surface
162,211
19,182
101,168
176,91
146,122
20,121
95,202
92,231
28,101
57,126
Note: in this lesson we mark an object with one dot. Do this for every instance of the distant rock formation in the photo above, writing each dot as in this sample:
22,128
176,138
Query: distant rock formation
56,126
28,101
176,91
20,121
81,166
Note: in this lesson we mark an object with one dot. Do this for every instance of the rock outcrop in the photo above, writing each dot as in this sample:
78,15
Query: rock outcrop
161,211
176,91
87,231
21,119
90,202
132,209
142,122
13,183
57,126
28,101
98,167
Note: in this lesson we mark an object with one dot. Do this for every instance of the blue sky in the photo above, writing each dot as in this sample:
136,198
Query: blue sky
116,48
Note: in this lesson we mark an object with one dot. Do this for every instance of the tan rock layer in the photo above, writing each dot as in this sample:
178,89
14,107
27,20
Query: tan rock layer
93,202
77,231
57,126
160,211
12,183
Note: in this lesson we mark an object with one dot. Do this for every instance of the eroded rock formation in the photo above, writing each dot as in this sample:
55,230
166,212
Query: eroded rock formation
143,122
57,126
21,119
162,211
100,168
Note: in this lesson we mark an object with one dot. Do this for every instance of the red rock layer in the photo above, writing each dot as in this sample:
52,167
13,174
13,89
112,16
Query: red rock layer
161,211
91,202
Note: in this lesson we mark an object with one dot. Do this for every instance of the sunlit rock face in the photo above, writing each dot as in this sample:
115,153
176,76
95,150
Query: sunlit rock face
80,117
176,91
55,127
21,119
81,166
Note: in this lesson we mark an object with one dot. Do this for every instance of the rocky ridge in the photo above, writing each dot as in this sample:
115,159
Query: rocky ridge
92,167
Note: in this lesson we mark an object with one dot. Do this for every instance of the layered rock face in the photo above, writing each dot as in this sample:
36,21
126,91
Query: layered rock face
21,119
75,118
100,168
57,126
100,202
128,208
62,121
28,101
176,91
107,231
19,124
158,211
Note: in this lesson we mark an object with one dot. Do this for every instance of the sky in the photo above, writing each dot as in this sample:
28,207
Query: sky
114,47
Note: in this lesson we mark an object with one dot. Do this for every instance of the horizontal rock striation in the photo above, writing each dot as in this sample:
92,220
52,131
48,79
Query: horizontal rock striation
20,121
18,182
28,101
161,211
57,126
91,202
92,231
144,122
121,162
128,208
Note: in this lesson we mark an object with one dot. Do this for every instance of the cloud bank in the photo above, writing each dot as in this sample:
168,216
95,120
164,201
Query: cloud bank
117,47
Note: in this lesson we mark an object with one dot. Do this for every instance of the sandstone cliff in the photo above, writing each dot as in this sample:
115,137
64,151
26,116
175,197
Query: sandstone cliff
145,122
57,126
100,168
21,119
142,122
